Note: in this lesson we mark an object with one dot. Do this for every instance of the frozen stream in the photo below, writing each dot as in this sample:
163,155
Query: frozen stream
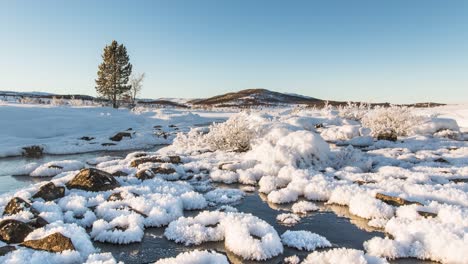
334,222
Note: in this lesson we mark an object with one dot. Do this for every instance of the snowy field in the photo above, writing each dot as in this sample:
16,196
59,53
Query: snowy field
400,172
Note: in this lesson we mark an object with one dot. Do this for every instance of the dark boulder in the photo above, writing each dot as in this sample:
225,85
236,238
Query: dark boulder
86,138
50,192
115,197
14,231
160,170
393,200
156,159
144,175
119,173
38,222
17,205
119,136
108,144
93,180
55,242
6,249
387,135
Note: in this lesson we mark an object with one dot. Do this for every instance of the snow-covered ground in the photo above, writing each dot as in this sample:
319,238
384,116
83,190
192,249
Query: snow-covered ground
63,130
414,189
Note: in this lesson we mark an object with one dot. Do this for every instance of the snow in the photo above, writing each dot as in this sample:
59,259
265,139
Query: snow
303,207
288,219
196,257
58,129
279,152
342,255
304,240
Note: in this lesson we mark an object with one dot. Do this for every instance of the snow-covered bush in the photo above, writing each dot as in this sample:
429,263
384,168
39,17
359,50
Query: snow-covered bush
30,100
353,111
233,135
57,101
398,119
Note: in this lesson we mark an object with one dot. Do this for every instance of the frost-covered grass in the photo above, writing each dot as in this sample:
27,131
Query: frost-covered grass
290,156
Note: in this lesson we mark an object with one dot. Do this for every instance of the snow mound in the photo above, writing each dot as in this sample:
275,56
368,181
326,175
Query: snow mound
342,255
196,230
55,167
195,257
250,237
304,207
304,240
288,219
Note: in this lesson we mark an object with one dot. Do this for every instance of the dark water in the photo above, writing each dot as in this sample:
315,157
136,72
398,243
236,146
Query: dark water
333,222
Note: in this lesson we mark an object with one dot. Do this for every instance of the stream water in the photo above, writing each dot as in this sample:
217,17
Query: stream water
334,222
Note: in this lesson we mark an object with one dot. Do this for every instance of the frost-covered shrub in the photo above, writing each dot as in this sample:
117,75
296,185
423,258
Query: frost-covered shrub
57,101
233,135
30,100
398,119
353,111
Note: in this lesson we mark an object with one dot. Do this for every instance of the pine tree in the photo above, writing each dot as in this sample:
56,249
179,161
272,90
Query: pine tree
114,72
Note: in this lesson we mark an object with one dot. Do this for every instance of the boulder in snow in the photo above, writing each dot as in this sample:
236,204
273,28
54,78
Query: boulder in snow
6,249
16,205
93,180
14,231
55,242
50,192
392,200
389,135
119,136
156,159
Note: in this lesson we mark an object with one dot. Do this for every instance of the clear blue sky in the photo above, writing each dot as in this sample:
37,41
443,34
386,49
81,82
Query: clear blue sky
394,50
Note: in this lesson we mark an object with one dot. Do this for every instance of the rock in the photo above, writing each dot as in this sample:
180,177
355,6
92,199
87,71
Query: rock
160,170
227,166
320,125
93,180
14,231
441,160
17,205
6,249
426,214
53,166
86,138
157,127
38,222
119,174
55,242
115,197
144,175
172,126
459,180
392,200
162,134
108,144
119,136
32,151
389,135
139,155
361,182
50,192
154,159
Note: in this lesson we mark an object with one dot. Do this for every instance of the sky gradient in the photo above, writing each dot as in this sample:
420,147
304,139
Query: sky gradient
378,51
